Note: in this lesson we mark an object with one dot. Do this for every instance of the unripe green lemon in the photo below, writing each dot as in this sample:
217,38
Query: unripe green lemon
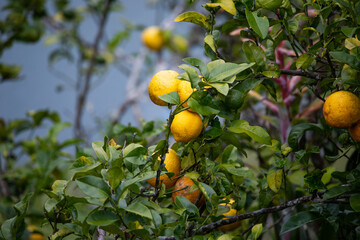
179,44
268,4
234,99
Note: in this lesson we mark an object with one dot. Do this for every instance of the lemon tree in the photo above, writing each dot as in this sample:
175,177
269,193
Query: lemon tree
269,149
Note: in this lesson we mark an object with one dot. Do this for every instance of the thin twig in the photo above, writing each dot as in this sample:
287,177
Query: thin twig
302,73
84,92
158,172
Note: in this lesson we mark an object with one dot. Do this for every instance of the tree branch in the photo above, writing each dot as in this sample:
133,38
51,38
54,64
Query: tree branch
301,73
313,198
84,92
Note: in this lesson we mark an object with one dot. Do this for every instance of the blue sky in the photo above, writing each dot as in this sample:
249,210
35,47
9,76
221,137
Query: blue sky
37,88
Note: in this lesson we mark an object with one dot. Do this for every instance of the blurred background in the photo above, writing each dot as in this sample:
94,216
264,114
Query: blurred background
52,67
72,72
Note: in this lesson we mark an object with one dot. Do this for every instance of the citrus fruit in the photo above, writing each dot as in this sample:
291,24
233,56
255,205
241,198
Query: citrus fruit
355,131
186,126
179,44
36,236
172,164
192,196
153,38
234,99
184,91
228,214
268,4
163,82
342,109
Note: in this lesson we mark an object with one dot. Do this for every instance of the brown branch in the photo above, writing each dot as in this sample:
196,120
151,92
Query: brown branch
302,73
333,72
81,99
313,198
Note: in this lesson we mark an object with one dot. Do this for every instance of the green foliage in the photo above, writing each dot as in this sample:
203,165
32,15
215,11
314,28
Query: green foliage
265,147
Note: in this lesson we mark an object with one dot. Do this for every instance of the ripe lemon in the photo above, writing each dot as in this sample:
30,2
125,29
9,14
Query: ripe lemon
355,131
192,196
186,126
172,164
342,109
36,236
268,4
163,82
153,38
228,214
184,91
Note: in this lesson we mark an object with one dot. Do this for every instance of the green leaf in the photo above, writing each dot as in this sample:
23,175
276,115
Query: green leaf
255,132
116,174
222,88
237,171
84,164
225,70
259,24
141,177
13,228
202,109
274,179
254,53
193,17
298,131
207,191
59,186
202,103
327,176
211,65
210,41
99,151
102,218
135,153
50,204
227,5
304,61
355,202
139,209
183,202
93,186
198,64
336,191
346,58
297,177
256,230
348,31
192,73
172,98
313,180
298,220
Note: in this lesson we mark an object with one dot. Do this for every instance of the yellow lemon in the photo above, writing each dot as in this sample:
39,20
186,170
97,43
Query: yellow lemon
153,38
162,83
172,164
342,109
355,131
184,91
228,214
36,236
185,184
186,126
